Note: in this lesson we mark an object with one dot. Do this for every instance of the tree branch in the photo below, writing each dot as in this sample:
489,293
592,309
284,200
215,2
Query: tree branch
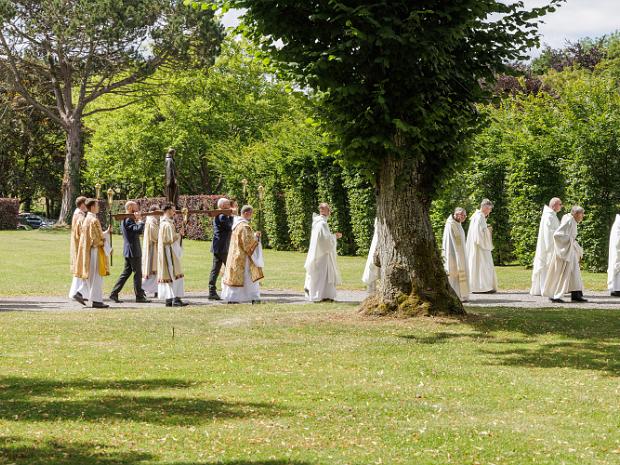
19,86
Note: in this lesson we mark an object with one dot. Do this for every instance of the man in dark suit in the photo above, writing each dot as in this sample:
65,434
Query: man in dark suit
131,228
222,230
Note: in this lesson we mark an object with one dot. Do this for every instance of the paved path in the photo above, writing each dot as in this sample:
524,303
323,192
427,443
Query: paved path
520,299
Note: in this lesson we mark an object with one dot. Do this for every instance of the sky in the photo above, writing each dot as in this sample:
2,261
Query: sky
575,20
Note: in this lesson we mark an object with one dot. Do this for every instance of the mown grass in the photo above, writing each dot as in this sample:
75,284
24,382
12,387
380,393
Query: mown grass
308,385
36,263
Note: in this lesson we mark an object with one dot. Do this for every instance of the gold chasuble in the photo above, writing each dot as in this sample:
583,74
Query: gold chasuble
76,229
168,260
91,236
243,243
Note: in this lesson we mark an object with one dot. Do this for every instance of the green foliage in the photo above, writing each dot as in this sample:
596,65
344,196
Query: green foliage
376,102
362,206
538,146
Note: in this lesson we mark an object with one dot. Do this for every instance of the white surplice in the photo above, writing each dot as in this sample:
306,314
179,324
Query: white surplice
372,272
549,223
454,257
564,275
482,277
175,289
322,275
613,270
250,291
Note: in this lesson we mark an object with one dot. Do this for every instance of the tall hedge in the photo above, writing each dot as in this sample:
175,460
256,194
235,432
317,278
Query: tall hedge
9,209
362,208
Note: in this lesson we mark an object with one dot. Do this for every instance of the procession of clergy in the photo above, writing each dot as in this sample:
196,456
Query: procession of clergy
556,268
156,263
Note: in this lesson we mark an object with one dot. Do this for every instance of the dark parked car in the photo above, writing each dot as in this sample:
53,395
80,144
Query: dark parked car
30,219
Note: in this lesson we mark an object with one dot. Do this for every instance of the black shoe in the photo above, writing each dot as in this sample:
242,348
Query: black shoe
179,303
214,297
232,303
256,302
615,294
142,300
327,300
78,298
100,305
556,301
168,302
578,299
155,296
114,298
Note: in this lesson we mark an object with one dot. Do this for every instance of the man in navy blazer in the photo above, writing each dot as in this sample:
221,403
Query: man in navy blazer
222,230
131,228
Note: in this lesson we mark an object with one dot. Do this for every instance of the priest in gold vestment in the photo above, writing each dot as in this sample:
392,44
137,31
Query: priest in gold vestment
244,265
91,262
77,284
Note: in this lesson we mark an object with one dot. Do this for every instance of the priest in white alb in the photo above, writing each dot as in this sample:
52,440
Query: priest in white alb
322,275
564,275
244,262
170,277
482,277
549,223
78,285
453,251
613,271
372,272
149,253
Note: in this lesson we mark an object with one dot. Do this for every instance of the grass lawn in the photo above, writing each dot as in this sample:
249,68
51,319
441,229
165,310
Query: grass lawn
37,263
308,385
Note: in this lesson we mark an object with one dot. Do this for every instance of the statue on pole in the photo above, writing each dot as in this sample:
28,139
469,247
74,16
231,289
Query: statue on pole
171,188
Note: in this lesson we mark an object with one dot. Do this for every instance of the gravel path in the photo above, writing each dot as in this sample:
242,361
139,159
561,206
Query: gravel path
519,299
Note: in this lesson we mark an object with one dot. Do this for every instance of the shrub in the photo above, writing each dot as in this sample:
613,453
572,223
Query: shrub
9,209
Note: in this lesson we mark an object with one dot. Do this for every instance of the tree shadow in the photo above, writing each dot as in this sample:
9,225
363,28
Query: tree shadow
584,339
443,337
28,399
20,451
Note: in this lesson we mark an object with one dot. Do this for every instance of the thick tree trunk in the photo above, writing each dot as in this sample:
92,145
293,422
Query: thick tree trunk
413,281
71,179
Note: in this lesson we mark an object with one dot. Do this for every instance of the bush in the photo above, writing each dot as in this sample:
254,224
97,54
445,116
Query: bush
9,210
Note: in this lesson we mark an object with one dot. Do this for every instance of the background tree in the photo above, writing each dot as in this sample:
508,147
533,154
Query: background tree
84,49
31,150
398,80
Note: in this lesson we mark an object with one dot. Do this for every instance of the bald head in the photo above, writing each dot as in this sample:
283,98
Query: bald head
555,204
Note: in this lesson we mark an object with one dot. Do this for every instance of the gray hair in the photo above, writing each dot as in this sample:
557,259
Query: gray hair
576,210
459,210
221,202
324,205
246,208
129,203
486,203
554,201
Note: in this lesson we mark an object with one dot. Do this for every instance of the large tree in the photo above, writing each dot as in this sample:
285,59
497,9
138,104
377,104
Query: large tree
84,49
399,81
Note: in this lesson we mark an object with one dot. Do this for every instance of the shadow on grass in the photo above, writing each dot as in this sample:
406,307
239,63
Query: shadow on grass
18,451
582,339
25,452
27,399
